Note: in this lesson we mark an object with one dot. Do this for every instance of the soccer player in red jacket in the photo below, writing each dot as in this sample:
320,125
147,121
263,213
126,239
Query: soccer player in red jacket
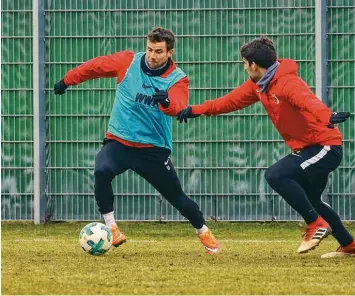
150,89
308,128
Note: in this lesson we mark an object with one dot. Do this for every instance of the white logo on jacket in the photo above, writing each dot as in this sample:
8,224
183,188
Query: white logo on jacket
276,99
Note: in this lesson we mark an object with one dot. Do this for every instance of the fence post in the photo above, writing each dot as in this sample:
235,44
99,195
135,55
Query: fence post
321,74
39,128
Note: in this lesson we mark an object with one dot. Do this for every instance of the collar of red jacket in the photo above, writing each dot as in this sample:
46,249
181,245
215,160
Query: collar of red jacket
286,66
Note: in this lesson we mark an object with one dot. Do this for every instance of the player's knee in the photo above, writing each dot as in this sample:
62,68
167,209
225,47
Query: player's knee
103,171
271,175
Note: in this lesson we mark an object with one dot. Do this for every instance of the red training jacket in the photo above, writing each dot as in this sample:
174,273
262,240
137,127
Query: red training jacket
298,115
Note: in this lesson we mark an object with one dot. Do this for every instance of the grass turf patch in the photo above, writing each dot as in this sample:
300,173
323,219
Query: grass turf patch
167,258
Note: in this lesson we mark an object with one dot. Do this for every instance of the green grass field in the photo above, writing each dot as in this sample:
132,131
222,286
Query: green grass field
167,258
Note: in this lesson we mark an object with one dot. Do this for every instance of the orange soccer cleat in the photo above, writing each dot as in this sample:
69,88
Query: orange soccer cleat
210,243
347,251
314,234
118,238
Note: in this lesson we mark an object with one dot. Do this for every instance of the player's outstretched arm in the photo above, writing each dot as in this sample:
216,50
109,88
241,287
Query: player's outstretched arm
239,98
103,66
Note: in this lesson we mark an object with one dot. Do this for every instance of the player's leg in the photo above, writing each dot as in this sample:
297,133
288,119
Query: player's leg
110,162
314,189
314,186
284,177
161,174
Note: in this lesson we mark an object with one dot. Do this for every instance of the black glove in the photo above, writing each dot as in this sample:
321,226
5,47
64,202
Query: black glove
161,97
60,87
186,113
338,117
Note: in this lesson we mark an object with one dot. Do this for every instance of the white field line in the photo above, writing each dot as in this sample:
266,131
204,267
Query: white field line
228,241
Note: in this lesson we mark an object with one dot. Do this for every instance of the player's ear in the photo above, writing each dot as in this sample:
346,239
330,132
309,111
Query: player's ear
254,66
170,52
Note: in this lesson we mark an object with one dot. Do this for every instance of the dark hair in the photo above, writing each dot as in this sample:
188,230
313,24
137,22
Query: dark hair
160,34
261,51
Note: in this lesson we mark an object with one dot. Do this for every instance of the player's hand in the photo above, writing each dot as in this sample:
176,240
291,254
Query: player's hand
186,113
162,97
338,117
60,87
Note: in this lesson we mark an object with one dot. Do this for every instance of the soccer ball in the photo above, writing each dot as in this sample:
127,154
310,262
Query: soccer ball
95,238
